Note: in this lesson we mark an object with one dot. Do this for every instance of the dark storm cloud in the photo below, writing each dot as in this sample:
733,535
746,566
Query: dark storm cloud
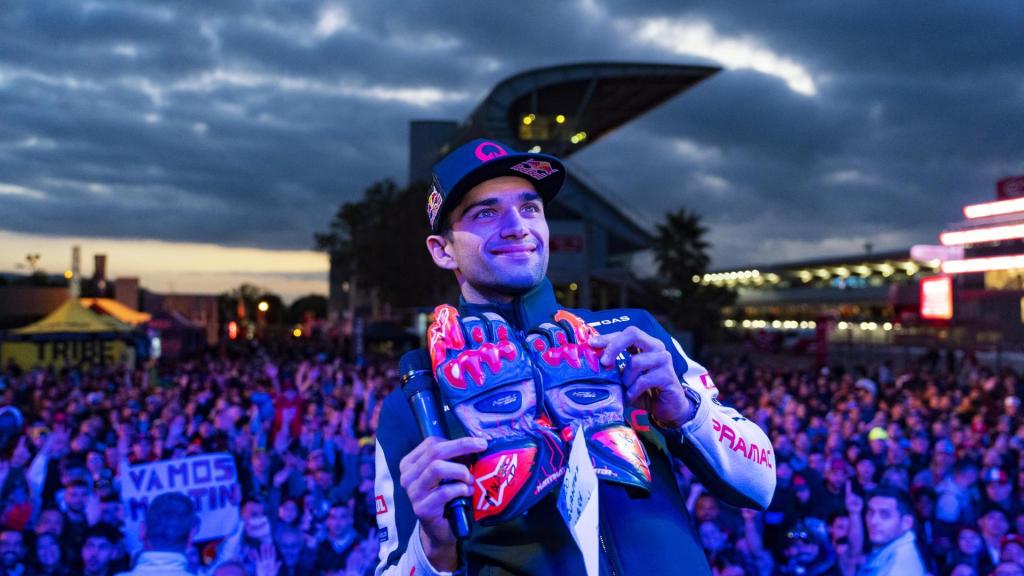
247,123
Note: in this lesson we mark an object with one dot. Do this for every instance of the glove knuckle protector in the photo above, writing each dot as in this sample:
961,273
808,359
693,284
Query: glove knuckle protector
578,390
486,378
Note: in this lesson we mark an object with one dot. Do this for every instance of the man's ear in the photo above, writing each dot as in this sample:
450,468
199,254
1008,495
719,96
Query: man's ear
906,522
438,247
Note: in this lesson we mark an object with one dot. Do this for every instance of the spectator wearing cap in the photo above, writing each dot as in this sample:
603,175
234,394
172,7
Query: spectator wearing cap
994,526
878,443
807,552
999,491
837,475
941,469
890,527
166,533
1011,549
868,398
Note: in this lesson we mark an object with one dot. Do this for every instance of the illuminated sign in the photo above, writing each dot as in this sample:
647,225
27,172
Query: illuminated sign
983,264
937,298
978,235
994,208
926,252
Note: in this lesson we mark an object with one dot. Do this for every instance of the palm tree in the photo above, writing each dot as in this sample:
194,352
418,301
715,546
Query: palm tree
682,256
680,249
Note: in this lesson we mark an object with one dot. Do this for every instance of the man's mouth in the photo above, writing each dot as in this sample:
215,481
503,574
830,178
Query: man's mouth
518,249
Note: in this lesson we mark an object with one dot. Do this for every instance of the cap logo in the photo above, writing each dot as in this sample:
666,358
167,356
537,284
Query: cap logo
489,151
536,169
433,204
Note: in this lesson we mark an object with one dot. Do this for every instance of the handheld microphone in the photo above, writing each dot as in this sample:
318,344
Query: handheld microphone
421,391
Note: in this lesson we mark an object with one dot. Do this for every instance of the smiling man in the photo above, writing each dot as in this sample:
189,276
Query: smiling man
520,376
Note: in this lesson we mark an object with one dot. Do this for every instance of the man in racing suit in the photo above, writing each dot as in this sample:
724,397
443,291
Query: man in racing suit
486,209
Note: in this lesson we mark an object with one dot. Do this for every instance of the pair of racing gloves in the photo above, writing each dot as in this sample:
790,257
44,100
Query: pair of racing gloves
527,397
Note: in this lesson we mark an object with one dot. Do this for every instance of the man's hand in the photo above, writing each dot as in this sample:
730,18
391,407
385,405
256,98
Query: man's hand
854,503
265,560
432,479
649,378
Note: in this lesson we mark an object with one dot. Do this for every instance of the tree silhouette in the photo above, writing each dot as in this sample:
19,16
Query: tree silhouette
680,249
380,240
681,253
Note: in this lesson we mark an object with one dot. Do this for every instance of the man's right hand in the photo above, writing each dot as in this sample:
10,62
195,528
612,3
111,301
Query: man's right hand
431,479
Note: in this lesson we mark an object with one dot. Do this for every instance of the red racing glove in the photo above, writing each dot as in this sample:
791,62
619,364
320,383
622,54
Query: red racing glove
486,378
579,391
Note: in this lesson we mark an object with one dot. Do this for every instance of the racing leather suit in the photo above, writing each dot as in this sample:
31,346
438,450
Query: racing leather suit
641,532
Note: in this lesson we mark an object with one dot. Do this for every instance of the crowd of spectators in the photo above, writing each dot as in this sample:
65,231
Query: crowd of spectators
301,431
941,445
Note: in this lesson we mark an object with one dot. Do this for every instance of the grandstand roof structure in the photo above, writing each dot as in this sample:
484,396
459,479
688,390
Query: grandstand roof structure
560,110
565,108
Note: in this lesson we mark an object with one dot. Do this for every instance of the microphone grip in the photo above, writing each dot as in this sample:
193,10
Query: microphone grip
457,512
424,406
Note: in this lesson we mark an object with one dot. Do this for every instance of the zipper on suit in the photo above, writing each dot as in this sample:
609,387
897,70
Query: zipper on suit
607,554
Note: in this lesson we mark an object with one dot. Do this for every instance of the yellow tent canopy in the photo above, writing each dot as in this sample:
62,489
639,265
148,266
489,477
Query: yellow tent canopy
71,335
111,307
73,318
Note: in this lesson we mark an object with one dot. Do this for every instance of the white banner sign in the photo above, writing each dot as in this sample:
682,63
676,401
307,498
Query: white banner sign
210,480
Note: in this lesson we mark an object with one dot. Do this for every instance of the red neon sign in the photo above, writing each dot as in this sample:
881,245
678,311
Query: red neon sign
983,264
994,208
937,298
977,235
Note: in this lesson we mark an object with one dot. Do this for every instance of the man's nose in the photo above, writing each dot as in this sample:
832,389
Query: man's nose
513,224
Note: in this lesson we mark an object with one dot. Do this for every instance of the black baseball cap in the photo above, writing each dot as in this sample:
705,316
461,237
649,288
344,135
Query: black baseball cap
482,160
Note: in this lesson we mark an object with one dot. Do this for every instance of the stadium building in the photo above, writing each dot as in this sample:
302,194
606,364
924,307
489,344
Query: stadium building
967,292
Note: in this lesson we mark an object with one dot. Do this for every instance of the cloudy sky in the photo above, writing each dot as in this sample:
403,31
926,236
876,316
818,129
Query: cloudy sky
200,144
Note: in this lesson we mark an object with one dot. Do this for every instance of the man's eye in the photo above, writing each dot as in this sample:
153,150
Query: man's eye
532,208
485,213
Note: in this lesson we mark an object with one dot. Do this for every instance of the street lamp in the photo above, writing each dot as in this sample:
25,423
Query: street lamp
263,306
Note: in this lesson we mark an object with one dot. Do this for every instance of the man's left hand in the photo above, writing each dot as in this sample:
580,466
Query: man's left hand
650,379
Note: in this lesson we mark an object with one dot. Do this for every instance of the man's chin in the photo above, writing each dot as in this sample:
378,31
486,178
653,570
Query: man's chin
517,286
